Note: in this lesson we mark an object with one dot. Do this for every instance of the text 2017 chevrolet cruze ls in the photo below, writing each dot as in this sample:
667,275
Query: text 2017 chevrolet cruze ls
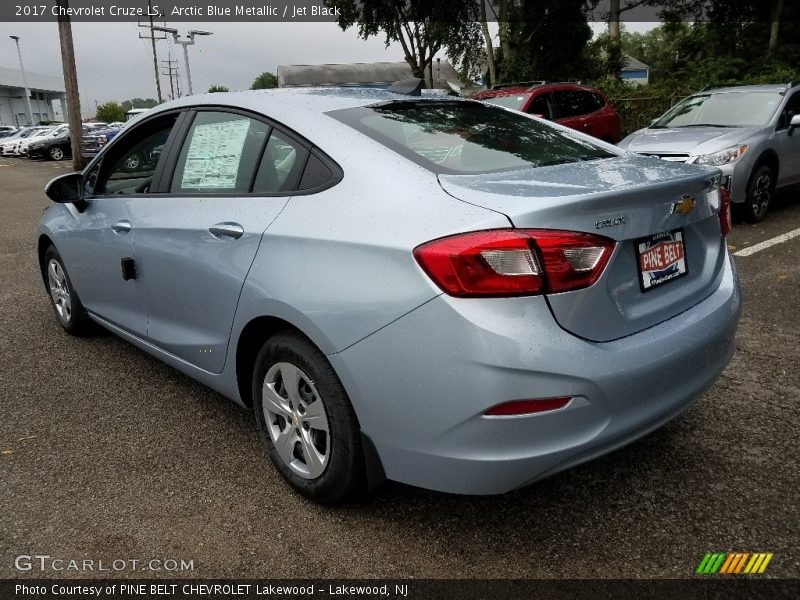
442,292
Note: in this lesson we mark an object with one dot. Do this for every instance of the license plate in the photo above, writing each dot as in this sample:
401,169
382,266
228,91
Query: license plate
661,258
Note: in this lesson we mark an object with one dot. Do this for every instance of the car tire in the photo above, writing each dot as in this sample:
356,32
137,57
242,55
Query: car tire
57,153
67,307
306,421
760,191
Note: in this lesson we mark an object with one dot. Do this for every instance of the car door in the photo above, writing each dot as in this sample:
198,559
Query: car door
572,107
227,182
101,250
789,143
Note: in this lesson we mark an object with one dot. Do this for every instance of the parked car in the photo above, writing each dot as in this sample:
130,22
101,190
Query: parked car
12,145
94,141
749,132
468,321
7,131
48,134
575,106
54,147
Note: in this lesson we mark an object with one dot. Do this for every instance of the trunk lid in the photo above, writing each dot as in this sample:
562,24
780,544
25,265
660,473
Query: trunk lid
629,199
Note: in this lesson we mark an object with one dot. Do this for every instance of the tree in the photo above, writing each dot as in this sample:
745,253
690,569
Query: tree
264,81
217,88
110,112
545,39
421,27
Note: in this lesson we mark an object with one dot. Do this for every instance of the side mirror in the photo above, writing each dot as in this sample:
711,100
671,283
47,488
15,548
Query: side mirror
67,189
794,122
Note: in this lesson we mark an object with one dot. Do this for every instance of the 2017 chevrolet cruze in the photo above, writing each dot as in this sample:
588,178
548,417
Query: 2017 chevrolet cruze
443,292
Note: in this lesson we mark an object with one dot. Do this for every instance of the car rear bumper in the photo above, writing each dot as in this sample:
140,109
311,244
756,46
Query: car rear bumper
421,386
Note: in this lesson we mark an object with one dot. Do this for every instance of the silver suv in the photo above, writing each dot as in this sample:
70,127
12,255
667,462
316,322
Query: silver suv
746,131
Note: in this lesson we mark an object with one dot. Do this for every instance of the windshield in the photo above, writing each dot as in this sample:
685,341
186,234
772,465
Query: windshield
467,137
515,102
723,109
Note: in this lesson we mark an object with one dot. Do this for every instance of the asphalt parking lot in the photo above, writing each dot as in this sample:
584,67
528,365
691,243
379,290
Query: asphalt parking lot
108,454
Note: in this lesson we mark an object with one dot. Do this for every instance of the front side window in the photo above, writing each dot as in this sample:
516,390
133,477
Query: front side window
723,109
462,137
792,109
220,154
128,167
541,106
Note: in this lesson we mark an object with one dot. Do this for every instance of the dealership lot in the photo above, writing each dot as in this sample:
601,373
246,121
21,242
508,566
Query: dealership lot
108,454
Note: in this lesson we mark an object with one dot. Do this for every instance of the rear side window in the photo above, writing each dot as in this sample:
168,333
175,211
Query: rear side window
281,165
220,154
315,175
573,103
462,137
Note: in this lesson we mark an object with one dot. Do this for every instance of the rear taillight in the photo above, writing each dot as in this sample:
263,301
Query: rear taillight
724,211
514,262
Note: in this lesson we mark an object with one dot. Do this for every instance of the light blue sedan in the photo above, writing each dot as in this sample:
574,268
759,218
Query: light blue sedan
436,291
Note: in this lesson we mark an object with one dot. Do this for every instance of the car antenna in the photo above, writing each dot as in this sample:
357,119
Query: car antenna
407,87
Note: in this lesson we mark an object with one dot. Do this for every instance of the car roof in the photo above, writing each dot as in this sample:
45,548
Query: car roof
301,109
745,88
528,89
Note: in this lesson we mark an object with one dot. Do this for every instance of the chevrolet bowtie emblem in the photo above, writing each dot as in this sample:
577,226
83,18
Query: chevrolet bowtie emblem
684,206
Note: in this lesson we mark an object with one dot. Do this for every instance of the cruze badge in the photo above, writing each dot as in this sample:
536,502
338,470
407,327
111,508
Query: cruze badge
684,206
609,223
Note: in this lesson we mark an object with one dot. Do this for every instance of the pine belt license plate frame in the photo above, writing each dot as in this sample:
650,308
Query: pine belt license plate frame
642,245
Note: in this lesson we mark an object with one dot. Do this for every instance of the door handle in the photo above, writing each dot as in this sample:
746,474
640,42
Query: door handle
226,230
121,227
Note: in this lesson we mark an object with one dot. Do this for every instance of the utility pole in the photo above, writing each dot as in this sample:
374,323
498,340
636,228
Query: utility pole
189,41
171,67
24,81
153,37
70,84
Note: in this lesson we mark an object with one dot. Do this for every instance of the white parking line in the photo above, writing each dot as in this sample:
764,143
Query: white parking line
784,237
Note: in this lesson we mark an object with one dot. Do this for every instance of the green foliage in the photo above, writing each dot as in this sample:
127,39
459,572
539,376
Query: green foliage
217,88
422,27
264,81
110,112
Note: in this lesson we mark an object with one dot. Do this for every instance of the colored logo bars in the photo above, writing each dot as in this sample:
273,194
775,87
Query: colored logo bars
734,562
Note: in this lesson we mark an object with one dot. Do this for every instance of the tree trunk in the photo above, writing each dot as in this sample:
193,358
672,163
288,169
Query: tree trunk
775,25
70,85
503,30
489,46
614,46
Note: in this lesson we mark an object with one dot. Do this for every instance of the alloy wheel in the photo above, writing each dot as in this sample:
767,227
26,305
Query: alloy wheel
56,154
296,420
762,191
59,290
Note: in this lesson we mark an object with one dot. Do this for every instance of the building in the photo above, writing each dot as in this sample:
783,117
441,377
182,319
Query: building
44,89
378,74
635,71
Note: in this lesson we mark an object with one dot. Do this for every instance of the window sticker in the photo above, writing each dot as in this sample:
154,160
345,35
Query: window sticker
214,155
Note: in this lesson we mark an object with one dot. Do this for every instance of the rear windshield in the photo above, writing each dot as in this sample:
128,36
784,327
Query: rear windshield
723,109
461,138
515,101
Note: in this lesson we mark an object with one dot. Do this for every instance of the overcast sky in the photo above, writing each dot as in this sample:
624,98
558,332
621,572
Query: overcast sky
114,64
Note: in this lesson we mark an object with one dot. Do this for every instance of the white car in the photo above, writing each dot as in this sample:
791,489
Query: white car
8,146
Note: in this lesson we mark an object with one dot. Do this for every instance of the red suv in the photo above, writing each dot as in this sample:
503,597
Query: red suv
577,106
